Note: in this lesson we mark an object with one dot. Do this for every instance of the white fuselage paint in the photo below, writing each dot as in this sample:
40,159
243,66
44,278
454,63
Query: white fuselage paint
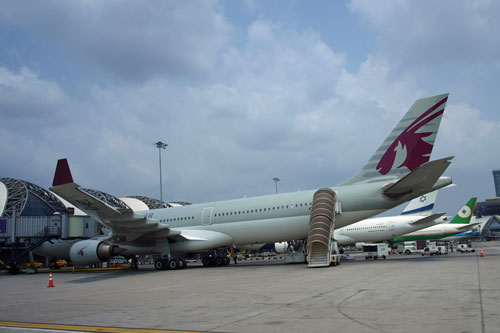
276,218
379,229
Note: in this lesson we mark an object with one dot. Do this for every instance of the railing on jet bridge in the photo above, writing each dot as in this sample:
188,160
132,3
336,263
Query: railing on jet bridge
321,226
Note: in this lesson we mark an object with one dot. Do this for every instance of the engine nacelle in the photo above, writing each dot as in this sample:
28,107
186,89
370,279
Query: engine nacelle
92,251
281,247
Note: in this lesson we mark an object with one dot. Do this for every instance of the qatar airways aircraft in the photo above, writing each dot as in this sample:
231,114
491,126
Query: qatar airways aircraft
398,171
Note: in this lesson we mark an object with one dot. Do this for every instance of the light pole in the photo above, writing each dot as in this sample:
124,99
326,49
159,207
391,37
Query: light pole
276,180
160,145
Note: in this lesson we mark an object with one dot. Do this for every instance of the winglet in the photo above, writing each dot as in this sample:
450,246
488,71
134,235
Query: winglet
63,174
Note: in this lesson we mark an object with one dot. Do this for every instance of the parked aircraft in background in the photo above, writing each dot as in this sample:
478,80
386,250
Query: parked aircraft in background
397,172
460,223
385,228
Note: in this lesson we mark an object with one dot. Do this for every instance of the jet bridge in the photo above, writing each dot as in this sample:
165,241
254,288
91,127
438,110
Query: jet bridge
321,226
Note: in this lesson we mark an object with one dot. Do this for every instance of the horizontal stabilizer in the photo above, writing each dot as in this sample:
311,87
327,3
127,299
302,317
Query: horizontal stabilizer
467,227
427,219
422,178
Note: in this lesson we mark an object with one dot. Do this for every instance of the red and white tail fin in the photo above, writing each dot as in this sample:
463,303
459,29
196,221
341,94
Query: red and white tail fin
410,143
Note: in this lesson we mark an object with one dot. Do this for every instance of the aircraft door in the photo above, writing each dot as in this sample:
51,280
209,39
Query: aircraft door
392,228
206,218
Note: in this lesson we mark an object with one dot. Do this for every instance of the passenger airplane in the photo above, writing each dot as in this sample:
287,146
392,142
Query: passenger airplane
459,224
397,172
417,215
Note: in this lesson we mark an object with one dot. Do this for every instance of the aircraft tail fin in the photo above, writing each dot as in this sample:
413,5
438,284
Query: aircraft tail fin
422,205
464,215
62,175
410,143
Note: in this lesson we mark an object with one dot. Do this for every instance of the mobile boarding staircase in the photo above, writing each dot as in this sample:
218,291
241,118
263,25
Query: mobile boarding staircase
321,226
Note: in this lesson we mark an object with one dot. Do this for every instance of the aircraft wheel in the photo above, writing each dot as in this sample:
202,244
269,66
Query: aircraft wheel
206,261
173,264
182,263
159,265
219,261
227,261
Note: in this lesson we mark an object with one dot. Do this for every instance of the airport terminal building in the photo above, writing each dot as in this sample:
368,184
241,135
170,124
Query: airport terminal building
31,215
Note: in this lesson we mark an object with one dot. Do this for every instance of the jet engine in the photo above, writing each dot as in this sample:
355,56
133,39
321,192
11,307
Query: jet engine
92,251
281,247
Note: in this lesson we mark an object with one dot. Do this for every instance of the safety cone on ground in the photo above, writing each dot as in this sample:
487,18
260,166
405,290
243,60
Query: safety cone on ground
482,253
73,271
51,283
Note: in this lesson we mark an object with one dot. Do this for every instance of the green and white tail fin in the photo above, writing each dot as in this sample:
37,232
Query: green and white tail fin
410,143
422,205
464,215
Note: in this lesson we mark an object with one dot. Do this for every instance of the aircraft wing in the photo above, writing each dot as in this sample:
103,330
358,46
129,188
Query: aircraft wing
427,219
424,177
109,210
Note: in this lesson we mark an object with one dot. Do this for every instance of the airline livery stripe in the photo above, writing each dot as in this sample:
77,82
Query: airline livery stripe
416,210
81,328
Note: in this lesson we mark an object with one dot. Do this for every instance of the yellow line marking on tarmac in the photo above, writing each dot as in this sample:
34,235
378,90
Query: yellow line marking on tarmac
81,328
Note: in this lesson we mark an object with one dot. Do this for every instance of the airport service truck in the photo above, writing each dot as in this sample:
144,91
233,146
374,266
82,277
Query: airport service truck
375,251
430,249
442,247
415,246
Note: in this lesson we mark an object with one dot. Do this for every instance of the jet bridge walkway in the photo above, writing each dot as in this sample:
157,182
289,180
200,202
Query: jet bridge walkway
321,226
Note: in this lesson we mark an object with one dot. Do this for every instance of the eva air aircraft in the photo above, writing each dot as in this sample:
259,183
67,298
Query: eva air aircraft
398,171
459,224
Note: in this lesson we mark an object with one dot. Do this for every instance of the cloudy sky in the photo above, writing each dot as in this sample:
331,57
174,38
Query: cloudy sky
242,91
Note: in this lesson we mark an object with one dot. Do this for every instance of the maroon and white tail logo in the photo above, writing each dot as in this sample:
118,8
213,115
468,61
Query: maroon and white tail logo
409,149
81,253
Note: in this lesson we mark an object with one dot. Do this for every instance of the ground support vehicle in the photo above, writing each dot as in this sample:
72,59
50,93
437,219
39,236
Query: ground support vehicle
415,246
335,259
465,246
442,247
375,251
430,249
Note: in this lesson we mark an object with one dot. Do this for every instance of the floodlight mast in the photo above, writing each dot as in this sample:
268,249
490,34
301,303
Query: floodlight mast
160,145
276,180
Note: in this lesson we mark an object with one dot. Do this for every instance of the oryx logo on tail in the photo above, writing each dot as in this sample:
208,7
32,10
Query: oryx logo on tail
409,149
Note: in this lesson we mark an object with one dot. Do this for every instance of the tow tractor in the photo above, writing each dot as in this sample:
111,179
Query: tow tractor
465,246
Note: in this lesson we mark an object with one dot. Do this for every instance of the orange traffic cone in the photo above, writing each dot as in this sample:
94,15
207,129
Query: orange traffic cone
51,283
482,253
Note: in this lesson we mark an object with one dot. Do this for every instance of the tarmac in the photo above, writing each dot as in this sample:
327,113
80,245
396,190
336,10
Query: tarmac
405,293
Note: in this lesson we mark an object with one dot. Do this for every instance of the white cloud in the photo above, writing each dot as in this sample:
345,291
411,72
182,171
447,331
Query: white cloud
24,96
132,40
464,131
279,102
418,32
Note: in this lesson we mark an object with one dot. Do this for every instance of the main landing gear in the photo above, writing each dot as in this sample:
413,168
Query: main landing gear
173,263
216,259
